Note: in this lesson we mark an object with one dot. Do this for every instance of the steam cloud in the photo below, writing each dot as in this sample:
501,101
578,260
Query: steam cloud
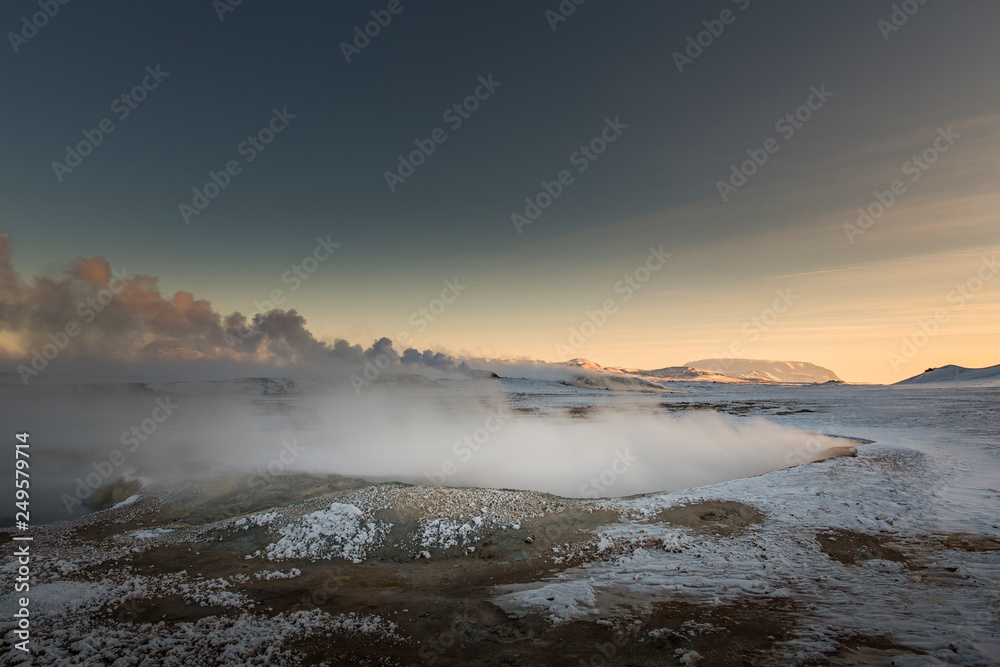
99,313
461,434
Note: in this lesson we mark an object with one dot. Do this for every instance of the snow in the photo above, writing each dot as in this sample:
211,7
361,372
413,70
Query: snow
128,501
54,597
270,575
934,470
64,567
372,625
213,593
340,531
256,520
956,376
144,534
564,600
687,657
247,639
444,533
68,630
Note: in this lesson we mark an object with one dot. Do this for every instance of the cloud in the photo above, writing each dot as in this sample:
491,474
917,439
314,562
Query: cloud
429,358
99,313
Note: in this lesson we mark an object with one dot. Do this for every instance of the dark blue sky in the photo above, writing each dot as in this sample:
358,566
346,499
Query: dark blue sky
324,174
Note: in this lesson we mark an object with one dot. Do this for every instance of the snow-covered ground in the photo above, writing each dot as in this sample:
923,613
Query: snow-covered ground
956,376
935,469
891,556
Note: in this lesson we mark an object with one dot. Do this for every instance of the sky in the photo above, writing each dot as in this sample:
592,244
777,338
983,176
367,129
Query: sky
629,124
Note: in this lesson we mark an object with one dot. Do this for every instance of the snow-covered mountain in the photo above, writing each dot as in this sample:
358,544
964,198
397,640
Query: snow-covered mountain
957,376
767,371
724,371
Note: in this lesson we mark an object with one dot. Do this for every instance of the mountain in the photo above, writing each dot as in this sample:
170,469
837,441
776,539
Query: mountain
668,374
767,371
957,376
725,371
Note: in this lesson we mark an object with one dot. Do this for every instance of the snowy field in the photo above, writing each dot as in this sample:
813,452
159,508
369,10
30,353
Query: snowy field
887,557
933,470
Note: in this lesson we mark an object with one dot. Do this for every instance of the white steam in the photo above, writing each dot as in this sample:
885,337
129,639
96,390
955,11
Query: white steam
474,433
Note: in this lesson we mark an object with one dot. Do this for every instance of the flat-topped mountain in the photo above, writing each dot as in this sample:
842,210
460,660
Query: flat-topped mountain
767,371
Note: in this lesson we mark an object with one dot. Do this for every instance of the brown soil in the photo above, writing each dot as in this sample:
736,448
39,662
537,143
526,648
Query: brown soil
477,633
967,542
442,604
582,411
872,651
721,517
742,408
851,548
919,555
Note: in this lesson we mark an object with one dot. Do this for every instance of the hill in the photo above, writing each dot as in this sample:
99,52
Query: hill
956,376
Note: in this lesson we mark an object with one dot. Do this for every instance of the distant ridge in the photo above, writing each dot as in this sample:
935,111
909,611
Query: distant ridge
956,376
767,371
725,371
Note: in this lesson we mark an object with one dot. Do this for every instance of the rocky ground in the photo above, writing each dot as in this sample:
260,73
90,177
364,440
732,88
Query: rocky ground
883,553
327,570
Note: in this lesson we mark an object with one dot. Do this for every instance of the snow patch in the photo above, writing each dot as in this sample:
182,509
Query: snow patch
146,534
340,531
128,501
256,520
269,575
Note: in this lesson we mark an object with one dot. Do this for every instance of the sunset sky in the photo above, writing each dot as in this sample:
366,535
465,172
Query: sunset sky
919,104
